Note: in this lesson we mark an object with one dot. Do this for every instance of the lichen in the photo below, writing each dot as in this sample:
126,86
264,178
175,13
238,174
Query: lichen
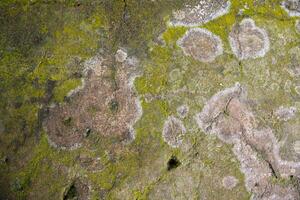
249,41
173,131
200,12
201,44
45,65
228,109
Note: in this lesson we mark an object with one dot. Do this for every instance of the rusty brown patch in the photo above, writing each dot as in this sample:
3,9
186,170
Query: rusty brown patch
106,105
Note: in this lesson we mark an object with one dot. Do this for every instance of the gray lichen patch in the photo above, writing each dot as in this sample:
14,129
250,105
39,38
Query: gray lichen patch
223,114
182,111
248,41
229,182
173,132
200,12
105,105
201,44
228,115
120,56
292,7
285,113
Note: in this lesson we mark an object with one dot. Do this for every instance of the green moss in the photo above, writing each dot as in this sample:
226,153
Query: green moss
70,39
62,90
172,34
39,45
154,80
41,167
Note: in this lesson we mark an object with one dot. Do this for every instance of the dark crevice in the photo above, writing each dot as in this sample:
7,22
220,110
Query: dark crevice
272,169
71,193
263,155
173,163
226,106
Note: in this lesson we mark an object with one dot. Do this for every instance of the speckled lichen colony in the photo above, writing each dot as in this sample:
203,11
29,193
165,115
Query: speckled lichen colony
172,100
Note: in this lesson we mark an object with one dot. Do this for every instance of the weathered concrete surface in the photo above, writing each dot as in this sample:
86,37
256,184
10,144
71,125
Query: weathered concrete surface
140,99
228,116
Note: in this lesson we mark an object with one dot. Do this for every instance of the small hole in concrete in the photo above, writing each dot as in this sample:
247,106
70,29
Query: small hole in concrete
71,193
173,163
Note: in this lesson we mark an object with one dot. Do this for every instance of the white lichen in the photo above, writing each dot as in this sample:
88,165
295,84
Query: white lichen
201,44
182,111
285,113
201,13
249,41
291,7
173,132
229,182
121,55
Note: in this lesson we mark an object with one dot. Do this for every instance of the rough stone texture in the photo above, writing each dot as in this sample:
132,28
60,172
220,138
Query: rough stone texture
101,106
249,41
247,146
200,12
201,44
227,115
173,131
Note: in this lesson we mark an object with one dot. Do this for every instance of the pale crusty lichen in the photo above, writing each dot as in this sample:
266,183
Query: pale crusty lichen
249,41
173,131
292,7
297,26
200,13
285,113
201,44
121,55
229,182
228,116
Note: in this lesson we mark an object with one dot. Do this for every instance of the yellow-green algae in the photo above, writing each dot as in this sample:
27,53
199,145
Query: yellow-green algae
123,175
